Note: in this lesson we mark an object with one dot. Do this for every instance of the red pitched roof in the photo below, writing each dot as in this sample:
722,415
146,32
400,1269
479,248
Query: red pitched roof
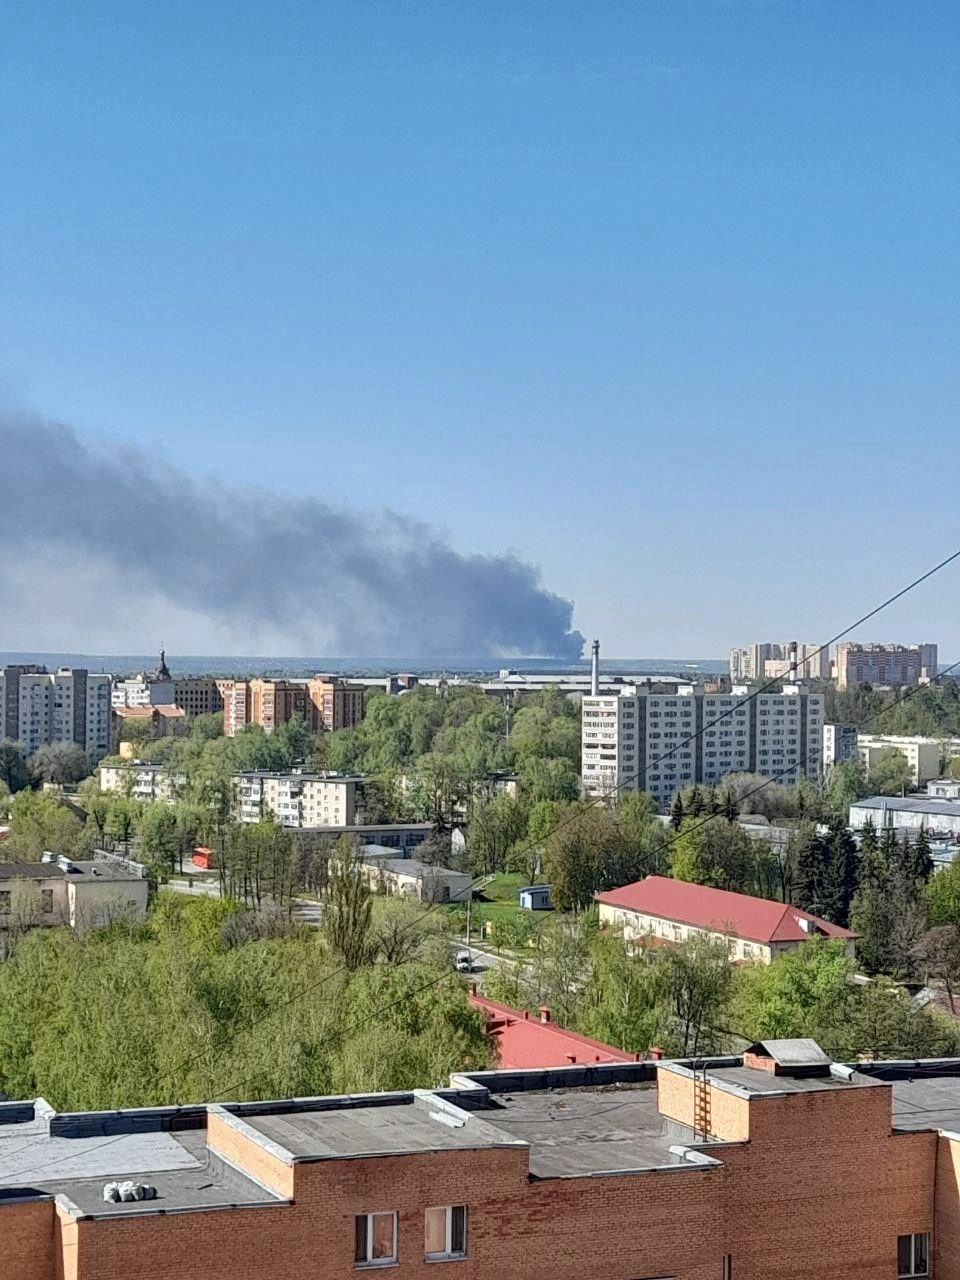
756,919
523,1041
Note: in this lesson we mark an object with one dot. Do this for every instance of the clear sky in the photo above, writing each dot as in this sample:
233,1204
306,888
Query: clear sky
661,295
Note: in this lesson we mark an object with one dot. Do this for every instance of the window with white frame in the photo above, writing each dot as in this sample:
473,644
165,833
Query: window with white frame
913,1256
376,1239
445,1232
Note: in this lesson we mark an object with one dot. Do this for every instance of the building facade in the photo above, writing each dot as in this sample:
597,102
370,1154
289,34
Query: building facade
791,661
884,664
198,695
923,755
142,781
298,799
84,894
324,702
659,911
661,743
68,705
937,816
839,743
773,1165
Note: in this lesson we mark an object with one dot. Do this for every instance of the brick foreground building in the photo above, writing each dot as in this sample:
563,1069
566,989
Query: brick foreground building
808,1170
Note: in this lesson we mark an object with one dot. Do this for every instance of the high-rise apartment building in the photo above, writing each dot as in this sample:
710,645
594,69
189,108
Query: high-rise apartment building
661,743
839,743
69,705
885,664
325,702
790,661
335,704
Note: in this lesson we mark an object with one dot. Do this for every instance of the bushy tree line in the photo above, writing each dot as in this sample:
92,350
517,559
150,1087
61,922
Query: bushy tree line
209,1000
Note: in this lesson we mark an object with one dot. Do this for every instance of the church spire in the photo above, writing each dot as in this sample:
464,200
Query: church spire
163,671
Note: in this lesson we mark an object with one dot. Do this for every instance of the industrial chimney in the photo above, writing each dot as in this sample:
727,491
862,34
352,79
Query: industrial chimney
595,669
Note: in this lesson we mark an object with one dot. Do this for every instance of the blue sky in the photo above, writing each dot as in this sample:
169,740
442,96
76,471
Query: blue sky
661,295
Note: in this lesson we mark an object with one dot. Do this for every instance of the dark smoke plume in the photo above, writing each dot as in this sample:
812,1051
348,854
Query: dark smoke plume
333,582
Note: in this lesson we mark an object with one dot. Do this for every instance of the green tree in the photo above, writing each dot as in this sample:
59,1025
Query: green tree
347,913
159,837
63,763
891,774
804,992
14,773
693,982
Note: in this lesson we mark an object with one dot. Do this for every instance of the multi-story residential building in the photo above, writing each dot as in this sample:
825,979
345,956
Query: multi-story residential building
143,781
658,910
236,705
69,705
884,664
324,702
839,743
776,1164
298,799
334,703
790,661
923,755
661,743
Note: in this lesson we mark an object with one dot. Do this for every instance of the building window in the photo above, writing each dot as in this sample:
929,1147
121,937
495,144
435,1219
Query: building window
376,1239
46,901
445,1232
4,902
913,1256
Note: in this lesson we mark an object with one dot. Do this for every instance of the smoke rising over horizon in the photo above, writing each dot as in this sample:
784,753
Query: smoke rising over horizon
81,518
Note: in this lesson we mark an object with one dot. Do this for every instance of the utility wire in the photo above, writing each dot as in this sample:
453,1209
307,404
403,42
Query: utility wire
605,796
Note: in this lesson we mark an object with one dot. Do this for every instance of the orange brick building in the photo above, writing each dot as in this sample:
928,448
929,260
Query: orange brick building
775,1166
325,702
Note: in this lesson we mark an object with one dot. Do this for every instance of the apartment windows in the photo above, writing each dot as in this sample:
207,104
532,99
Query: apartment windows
376,1239
913,1256
445,1233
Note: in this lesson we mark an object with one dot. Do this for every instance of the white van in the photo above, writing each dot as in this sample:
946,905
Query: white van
464,962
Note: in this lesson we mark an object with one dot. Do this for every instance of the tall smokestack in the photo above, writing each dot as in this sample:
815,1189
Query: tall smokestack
595,668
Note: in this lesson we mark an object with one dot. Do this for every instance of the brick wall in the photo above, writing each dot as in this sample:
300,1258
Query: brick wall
27,1240
820,1190
246,1153
729,1114
947,1259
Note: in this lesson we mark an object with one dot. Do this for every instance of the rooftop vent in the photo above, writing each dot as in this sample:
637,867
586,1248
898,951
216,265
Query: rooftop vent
117,1192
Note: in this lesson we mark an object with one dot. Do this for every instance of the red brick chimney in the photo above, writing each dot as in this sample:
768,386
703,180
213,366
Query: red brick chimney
544,1013
656,1053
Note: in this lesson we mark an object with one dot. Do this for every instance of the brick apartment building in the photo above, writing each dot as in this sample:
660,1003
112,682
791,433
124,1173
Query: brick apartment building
775,1166
324,702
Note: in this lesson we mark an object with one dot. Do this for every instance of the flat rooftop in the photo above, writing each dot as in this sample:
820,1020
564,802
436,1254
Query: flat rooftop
757,1083
581,1131
385,1124
91,1150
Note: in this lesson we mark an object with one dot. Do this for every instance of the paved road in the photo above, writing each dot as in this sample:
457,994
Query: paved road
305,910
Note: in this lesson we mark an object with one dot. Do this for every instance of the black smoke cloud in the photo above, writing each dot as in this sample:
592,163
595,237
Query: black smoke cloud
334,582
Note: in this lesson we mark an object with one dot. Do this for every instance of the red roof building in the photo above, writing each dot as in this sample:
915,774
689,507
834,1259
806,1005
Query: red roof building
659,910
523,1041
